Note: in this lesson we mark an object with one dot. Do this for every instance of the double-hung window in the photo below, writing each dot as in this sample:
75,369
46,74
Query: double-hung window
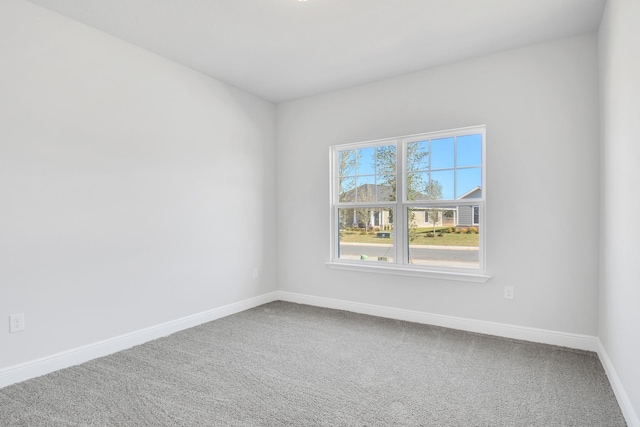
411,205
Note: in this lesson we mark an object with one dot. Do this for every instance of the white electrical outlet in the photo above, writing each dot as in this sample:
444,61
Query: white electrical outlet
508,292
16,322
255,273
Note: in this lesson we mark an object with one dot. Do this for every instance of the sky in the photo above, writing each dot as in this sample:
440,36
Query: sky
454,162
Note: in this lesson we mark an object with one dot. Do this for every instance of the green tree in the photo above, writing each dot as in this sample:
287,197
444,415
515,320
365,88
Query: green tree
385,165
417,162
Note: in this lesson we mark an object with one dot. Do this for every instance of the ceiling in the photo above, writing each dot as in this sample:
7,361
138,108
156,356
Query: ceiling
281,50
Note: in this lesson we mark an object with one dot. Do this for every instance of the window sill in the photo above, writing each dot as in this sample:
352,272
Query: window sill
412,272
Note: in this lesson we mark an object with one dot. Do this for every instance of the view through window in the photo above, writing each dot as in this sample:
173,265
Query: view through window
416,202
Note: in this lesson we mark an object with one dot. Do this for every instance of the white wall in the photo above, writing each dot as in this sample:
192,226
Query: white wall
122,209
540,105
133,190
620,235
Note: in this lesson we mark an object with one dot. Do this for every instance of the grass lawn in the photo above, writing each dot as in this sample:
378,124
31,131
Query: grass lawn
447,239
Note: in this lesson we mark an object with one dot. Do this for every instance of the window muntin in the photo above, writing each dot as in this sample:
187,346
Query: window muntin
443,168
366,174
438,206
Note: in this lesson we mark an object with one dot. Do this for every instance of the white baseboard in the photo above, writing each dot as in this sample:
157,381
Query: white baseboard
45,365
75,356
576,341
624,401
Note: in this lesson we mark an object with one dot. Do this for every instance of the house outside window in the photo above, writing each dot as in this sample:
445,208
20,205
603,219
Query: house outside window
412,203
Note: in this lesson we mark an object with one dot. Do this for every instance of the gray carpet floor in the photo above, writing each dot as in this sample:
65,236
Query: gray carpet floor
284,364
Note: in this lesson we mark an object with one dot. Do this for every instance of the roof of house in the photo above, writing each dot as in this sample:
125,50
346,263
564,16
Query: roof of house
470,192
384,193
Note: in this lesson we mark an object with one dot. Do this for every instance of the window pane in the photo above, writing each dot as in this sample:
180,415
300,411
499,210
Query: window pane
347,163
469,183
386,160
367,174
366,189
441,186
386,188
417,156
347,190
366,234
417,186
366,161
443,236
442,153
469,150
386,173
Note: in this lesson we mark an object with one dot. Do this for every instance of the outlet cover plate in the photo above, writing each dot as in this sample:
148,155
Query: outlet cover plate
16,322
508,292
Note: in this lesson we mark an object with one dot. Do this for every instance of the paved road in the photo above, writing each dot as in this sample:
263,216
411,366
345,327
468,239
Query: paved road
418,253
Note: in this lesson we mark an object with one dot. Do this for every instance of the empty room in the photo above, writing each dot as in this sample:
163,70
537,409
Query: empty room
319,212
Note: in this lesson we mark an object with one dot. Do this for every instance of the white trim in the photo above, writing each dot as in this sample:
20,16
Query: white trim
473,214
45,365
469,130
401,206
75,356
630,415
405,270
544,336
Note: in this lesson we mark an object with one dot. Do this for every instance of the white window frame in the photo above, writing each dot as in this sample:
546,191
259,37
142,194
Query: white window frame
400,208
